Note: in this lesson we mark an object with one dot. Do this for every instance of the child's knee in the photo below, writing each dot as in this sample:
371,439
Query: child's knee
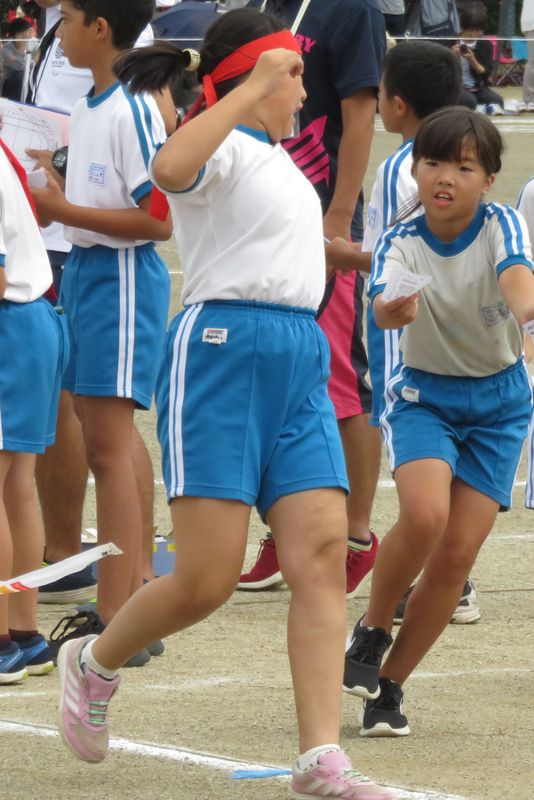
423,522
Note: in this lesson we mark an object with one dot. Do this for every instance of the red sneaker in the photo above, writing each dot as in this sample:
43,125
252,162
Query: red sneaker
265,573
359,563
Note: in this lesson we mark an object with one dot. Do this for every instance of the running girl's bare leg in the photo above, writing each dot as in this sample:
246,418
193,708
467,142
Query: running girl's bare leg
310,530
144,475
194,589
107,425
423,487
436,595
6,544
26,526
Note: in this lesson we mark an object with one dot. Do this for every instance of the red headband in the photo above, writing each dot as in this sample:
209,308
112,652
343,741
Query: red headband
237,63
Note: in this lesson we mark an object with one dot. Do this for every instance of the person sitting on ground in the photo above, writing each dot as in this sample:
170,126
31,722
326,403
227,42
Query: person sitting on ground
476,60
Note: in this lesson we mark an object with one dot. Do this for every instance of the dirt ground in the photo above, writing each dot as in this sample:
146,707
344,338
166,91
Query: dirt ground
223,688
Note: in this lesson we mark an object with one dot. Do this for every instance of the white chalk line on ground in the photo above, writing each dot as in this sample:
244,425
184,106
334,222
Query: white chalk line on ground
195,757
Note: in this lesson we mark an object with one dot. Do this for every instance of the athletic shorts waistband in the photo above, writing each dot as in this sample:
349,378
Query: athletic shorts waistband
102,248
256,305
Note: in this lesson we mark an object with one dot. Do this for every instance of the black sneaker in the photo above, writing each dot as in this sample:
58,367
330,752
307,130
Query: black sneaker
75,588
75,626
85,623
466,612
383,716
363,659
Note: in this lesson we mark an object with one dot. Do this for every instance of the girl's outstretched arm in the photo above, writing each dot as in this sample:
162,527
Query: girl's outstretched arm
347,256
396,313
178,162
3,282
517,286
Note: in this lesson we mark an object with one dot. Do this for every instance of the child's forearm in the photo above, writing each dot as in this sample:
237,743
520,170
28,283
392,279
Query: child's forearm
3,282
178,162
347,256
396,313
125,223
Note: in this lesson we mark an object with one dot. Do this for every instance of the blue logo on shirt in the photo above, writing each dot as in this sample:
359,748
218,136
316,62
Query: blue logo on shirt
97,173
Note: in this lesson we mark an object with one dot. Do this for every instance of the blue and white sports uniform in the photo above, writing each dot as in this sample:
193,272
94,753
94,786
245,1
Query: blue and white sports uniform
115,291
462,392
33,346
393,195
525,205
243,408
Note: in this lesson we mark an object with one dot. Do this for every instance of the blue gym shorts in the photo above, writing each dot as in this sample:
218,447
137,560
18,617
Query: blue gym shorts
477,425
116,302
243,407
34,350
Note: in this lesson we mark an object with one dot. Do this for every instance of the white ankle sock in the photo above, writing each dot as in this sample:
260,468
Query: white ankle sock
308,760
87,659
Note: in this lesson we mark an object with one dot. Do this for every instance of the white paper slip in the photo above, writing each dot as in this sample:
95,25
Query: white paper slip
528,327
37,179
403,283
40,577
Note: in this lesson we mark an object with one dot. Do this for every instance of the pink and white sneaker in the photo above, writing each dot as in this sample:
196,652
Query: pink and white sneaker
334,777
83,703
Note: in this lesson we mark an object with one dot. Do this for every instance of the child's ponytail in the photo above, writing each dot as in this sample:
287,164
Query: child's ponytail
152,69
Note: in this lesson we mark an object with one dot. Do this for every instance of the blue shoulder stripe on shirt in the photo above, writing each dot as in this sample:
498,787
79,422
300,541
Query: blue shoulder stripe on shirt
510,226
2,260
391,177
148,119
145,150
380,252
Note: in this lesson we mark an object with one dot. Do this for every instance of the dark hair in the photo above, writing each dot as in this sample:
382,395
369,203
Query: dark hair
427,76
150,69
126,18
473,16
443,135
17,26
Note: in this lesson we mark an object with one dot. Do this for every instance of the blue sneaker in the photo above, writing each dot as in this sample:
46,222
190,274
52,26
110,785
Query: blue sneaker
75,588
37,655
12,665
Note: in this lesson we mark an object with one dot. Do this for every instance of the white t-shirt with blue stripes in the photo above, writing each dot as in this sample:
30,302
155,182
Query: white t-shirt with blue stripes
112,140
463,326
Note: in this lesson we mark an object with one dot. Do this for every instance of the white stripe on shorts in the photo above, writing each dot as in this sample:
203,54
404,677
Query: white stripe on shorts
391,399
126,321
176,398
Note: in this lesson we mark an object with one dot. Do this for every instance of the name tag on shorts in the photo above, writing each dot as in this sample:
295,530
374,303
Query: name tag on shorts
410,395
215,335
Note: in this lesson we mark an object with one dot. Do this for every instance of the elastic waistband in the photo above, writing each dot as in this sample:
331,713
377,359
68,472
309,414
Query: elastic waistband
253,305
95,248
519,366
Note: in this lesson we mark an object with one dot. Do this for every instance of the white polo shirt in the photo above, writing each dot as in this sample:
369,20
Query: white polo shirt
113,138
251,227
22,252
463,326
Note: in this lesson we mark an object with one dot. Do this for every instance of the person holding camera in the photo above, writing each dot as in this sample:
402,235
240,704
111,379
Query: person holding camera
476,60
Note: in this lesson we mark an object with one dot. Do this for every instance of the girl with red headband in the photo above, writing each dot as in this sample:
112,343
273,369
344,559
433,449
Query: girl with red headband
244,416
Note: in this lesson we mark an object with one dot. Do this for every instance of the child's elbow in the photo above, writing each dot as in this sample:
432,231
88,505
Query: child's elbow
163,230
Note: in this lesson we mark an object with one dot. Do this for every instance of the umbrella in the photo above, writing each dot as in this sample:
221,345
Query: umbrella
186,22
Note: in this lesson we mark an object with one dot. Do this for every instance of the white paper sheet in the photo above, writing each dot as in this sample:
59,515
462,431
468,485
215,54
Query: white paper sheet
403,283
25,126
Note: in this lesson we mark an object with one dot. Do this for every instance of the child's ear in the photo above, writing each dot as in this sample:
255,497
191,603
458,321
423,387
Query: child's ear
102,28
401,106
490,180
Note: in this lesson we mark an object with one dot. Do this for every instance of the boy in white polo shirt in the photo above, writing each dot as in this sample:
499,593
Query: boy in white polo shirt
31,355
115,288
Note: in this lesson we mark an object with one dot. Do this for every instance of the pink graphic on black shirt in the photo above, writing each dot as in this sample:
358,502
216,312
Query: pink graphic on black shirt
309,153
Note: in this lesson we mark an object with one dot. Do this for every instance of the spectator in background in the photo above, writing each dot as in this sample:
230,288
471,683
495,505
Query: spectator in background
527,26
13,55
476,60
394,12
